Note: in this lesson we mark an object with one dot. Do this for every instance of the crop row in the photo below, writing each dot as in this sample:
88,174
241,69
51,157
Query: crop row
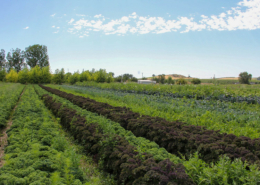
175,137
200,172
240,119
9,95
233,93
118,156
36,152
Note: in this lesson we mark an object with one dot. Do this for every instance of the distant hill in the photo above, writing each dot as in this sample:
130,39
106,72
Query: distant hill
174,76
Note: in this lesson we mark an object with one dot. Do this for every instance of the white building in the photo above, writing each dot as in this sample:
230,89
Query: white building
146,82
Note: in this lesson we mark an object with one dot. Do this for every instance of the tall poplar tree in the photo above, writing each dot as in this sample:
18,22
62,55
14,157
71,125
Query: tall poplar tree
37,55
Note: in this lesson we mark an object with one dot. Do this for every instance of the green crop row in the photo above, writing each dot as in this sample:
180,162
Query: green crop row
223,172
38,153
9,95
233,93
239,119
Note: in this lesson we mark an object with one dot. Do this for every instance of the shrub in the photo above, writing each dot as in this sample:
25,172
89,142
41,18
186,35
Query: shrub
74,78
181,81
195,81
170,80
23,76
12,76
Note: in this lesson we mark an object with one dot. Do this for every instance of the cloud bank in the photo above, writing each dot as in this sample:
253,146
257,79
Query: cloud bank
245,16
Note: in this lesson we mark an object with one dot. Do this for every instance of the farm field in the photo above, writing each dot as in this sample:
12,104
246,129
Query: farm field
240,119
232,93
80,102
133,137
39,152
9,95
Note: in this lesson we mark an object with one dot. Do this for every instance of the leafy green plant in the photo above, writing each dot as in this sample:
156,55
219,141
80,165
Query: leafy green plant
195,167
28,160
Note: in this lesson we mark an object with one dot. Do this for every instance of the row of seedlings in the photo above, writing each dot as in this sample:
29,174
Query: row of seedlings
176,137
223,172
9,95
221,93
37,153
115,153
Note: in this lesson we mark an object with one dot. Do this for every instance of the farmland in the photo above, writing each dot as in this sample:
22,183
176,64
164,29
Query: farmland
143,135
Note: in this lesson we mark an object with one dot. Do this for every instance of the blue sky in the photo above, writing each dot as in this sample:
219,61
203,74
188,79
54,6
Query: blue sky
199,38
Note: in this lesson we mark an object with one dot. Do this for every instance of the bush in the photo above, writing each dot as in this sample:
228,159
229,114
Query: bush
23,76
74,78
59,76
109,78
85,76
134,79
195,81
181,81
12,76
170,80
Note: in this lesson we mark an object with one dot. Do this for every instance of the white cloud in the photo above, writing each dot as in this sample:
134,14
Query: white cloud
246,15
58,27
53,26
80,15
56,31
53,15
26,28
71,21
98,16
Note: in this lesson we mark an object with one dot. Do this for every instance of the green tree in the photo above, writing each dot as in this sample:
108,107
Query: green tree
46,74
195,81
244,78
37,55
2,59
35,76
23,76
74,78
85,76
170,80
59,76
15,60
101,76
181,81
67,75
161,78
2,74
109,78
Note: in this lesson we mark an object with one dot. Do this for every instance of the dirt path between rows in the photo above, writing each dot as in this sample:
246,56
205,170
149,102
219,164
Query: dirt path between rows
3,134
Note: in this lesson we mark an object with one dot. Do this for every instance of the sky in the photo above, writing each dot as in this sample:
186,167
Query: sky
200,38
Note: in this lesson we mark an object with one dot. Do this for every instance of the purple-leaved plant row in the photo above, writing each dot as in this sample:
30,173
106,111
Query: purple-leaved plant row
118,156
176,137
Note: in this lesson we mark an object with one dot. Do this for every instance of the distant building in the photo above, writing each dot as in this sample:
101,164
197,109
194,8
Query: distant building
146,82
258,78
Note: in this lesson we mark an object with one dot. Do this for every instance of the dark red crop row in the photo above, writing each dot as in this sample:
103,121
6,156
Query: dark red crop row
119,157
175,137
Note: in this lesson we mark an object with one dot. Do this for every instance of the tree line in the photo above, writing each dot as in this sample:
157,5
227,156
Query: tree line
32,66
17,59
